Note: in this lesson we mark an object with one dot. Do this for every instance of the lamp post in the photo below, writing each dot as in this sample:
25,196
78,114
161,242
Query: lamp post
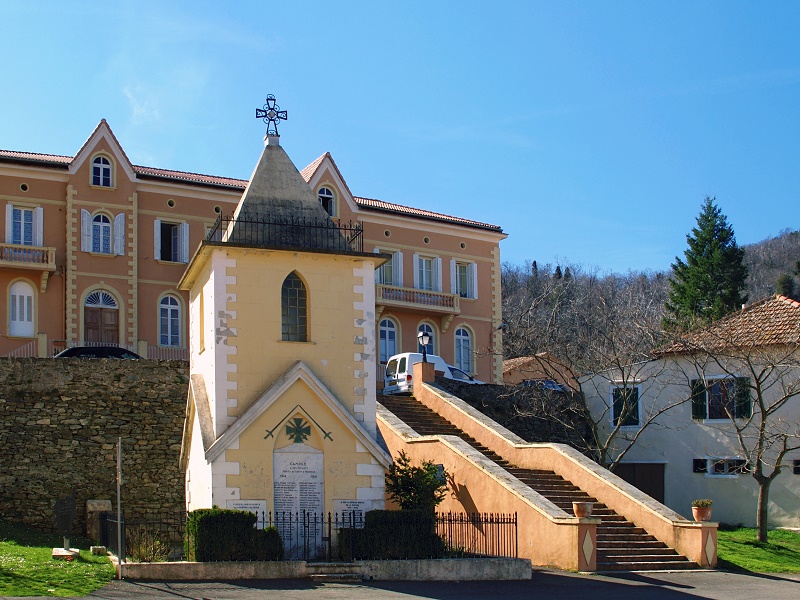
424,339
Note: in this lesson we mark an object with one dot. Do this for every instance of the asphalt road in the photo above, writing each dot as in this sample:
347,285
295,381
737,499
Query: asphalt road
545,584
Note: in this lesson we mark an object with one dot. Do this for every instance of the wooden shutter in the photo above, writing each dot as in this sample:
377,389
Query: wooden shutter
157,239
416,271
699,407
453,277
183,236
9,223
119,234
437,275
86,231
38,226
743,409
472,281
398,269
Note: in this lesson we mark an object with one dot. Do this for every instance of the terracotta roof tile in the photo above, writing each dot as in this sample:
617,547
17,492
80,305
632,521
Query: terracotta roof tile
186,177
380,205
308,172
14,156
771,321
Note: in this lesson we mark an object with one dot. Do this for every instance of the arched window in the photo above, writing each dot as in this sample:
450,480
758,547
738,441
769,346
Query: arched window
294,309
101,234
101,171
387,335
20,309
169,321
464,350
429,349
328,200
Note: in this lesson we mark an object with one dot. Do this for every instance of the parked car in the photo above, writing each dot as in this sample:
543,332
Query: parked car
545,384
97,352
399,368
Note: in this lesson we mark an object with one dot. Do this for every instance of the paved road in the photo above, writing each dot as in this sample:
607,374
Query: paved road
543,586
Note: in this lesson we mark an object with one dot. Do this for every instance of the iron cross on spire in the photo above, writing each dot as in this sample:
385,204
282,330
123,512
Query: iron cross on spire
271,114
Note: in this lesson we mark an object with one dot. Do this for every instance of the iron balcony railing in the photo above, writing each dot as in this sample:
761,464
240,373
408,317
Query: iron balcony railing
295,233
418,299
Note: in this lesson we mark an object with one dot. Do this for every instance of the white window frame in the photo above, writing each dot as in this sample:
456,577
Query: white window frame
384,352
458,357
37,225
619,385
471,276
325,194
421,273
117,231
102,172
172,306
180,238
711,461
21,302
431,347
390,273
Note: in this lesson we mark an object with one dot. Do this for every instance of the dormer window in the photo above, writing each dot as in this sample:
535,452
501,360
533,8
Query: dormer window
328,200
101,171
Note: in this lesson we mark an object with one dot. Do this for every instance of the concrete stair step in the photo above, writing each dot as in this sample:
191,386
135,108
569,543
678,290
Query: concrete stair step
608,554
337,577
333,568
646,565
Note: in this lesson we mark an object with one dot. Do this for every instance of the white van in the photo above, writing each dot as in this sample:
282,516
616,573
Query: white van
399,369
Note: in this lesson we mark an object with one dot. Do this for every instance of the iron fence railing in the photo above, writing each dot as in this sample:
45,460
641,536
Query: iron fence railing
294,232
167,353
152,536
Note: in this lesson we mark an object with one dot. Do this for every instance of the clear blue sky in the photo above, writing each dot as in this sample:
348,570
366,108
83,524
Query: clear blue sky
590,131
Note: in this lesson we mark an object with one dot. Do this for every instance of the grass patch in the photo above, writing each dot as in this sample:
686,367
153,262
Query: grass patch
27,567
738,550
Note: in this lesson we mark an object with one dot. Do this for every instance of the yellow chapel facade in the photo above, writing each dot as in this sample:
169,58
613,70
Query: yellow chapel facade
94,247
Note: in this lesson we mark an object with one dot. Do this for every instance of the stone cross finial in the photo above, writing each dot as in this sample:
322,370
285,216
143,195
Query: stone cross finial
271,114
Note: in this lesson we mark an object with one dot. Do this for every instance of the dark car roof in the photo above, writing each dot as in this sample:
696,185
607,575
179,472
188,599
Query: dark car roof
97,352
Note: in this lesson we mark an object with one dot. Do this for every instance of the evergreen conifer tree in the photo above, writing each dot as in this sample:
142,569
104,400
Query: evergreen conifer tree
711,281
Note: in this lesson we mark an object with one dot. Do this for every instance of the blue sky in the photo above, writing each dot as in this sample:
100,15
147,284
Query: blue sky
590,131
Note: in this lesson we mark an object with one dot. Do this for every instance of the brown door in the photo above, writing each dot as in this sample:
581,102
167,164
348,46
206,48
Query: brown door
648,477
101,325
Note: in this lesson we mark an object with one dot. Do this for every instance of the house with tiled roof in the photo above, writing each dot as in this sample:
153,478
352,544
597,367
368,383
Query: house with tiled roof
95,246
711,408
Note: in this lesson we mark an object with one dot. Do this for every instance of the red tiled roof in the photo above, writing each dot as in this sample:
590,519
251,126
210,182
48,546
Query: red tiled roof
240,184
769,322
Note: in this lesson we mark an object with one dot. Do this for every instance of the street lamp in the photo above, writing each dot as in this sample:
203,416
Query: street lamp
424,339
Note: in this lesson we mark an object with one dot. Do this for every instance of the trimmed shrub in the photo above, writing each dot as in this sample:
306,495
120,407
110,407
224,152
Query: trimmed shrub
215,534
392,534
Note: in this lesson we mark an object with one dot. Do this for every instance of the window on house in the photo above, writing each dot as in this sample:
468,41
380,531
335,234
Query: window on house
464,350
464,279
23,225
20,309
171,241
169,321
387,336
391,273
721,398
430,348
99,236
719,466
101,171
294,307
328,200
625,406
427,273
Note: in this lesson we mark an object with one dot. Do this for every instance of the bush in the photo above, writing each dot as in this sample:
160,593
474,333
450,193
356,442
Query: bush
145,546
416,488
215,534
392,534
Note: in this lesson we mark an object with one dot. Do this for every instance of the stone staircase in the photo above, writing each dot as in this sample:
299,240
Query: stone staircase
621,545
322,572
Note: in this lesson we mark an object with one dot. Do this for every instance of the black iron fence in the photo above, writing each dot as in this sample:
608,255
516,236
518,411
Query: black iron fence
293,232
153,537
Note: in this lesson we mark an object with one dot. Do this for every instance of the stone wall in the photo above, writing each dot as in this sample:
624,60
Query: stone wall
534,414
59,424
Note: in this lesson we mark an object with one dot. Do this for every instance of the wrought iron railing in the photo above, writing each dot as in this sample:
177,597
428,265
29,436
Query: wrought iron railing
293,233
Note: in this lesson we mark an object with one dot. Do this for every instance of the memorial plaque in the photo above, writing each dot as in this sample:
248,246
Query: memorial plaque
257,507
351,511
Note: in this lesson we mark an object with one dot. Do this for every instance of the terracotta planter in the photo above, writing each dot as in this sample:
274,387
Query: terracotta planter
701,513
582,509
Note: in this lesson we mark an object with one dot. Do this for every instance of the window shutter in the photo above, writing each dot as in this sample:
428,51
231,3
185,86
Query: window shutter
157,239
472,281
9,223
38,226
699,408
416,271
378,271
86,231
183,251
437,276
119,234
453,277
743,409
398,269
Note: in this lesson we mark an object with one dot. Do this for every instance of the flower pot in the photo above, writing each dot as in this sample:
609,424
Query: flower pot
701,513
582,509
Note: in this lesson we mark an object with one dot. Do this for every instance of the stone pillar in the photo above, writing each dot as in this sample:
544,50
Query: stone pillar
93,510
423,372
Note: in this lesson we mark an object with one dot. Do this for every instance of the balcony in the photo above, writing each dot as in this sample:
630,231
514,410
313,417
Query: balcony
417,300
36,258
